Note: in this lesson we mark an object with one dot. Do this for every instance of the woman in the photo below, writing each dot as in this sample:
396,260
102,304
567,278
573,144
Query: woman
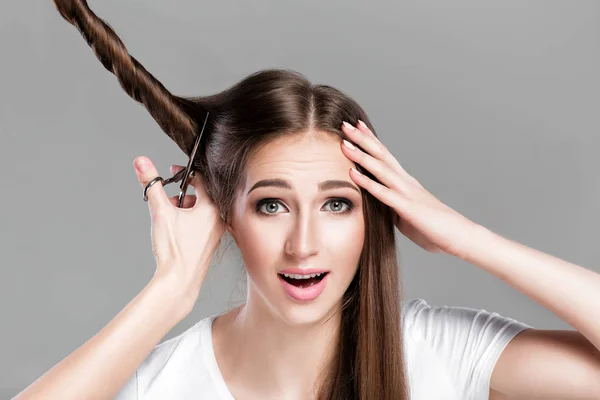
324,316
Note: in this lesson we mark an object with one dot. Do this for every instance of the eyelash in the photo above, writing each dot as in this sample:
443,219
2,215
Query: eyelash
261,202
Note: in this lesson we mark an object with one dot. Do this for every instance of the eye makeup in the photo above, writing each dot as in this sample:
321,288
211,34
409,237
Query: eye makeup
261,202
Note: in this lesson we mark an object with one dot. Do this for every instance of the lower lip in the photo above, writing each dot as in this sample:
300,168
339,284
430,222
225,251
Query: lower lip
305,294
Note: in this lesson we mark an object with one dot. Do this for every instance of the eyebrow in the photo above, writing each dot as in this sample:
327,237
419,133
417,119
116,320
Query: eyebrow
325,185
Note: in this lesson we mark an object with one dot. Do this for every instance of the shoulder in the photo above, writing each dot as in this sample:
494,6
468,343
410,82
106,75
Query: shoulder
411,307
434,320
413,314
466,342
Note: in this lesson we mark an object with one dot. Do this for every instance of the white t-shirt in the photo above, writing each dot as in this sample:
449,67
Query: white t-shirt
450,354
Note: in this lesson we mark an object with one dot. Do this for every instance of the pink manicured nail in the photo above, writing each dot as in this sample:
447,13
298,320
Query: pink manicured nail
347,125
349,145
363,124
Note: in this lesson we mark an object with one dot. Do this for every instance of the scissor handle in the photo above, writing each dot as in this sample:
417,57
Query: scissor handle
175,178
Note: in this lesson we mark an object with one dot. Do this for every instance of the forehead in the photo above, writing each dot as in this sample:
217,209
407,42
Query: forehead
303,157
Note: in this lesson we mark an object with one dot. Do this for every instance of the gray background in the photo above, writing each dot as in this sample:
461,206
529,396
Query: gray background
492,106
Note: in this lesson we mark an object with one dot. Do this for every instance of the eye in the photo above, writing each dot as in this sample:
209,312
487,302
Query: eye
339,203
273,204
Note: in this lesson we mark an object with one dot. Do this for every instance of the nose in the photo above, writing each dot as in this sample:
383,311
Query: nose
303,240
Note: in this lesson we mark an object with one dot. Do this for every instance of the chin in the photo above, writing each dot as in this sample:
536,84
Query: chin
294,312
302,314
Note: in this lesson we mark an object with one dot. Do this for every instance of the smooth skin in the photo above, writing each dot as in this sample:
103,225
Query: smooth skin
273,347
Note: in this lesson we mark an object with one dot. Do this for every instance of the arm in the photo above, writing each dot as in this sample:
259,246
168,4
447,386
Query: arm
101,367
549,364
535,364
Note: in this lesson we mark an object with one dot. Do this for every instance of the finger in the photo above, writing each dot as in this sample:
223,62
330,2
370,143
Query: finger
199,187
145,172
188,201
362,136
379,169
176,168
363,127
384,194
174,200
195,181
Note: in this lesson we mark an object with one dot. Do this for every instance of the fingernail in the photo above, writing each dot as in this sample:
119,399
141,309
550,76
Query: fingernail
362,124
141,164
355,170
347,125
349,145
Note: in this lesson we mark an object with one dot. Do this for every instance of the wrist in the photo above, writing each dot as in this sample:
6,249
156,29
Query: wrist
180,302
478,237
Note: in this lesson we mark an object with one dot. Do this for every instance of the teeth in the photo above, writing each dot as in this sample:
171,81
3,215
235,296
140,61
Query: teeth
296,276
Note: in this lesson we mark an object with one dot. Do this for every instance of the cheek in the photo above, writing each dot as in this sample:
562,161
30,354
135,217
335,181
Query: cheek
261,242
345,244
342,232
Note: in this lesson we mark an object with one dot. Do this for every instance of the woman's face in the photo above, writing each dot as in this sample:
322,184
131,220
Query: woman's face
277,228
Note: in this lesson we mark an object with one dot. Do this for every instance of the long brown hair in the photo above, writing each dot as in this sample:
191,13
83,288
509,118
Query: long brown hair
369,359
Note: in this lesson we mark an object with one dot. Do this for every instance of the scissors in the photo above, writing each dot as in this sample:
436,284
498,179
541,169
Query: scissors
184,175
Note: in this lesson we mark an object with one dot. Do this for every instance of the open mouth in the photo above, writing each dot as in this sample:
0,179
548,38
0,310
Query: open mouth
303,282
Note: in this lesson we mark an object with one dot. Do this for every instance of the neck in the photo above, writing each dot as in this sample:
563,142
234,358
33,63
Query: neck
262,354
